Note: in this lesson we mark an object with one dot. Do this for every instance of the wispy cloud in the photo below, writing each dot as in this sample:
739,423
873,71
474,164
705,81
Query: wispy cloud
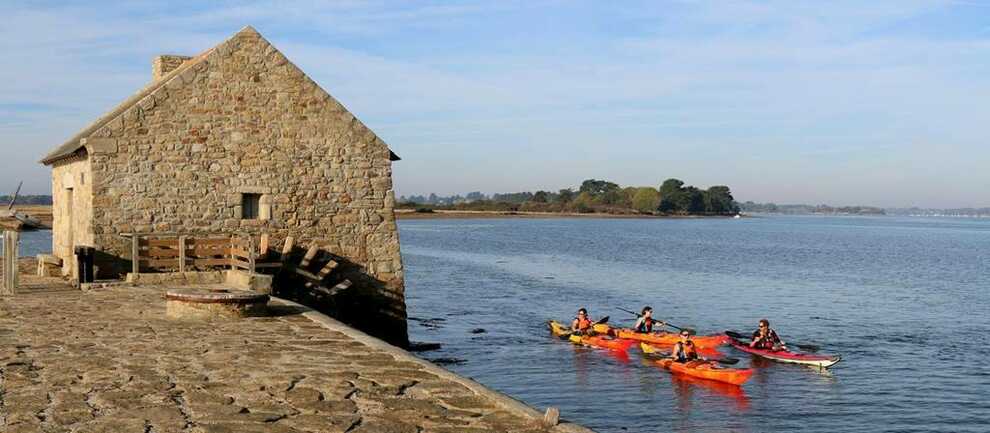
488,95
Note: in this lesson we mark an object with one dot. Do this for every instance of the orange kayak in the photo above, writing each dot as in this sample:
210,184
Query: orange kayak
670,338
708,370
559,330
602,342
650,349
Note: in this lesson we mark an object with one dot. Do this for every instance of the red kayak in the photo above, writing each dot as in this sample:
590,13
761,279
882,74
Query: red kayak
820,361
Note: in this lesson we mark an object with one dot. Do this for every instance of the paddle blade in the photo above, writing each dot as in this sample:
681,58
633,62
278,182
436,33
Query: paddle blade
736,335
602,321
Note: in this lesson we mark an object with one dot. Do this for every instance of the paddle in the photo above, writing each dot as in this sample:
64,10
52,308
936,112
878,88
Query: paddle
807,347
689,330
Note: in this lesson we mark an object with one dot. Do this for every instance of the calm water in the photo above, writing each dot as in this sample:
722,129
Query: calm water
905,301
34,243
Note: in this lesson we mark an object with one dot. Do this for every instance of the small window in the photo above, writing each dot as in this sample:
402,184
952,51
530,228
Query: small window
249,206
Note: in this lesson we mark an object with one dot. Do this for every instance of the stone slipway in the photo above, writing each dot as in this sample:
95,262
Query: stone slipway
110,361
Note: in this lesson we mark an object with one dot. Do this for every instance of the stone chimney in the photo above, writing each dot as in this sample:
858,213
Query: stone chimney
164,64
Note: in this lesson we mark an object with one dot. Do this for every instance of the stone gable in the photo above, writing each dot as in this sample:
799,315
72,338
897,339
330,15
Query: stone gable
241,121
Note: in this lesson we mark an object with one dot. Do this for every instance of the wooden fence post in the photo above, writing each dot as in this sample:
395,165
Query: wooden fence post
182,254
135,254
251,255
10,244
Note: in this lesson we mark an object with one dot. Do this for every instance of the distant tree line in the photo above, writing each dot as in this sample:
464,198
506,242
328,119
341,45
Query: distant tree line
593,195
804,209
954,212
27,199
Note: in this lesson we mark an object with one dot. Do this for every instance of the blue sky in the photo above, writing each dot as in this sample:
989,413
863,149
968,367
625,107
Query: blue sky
882,103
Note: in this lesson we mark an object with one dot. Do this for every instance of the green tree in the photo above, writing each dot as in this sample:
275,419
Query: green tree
718,200
646,200
612,197
671,196
671,187
584,202
540,197
598,187
691,200
565,195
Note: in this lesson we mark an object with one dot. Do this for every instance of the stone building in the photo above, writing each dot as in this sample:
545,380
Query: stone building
235,140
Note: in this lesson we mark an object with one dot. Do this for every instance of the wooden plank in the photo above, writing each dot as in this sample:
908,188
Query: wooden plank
251,255
182,254
209,241
268,265
240,253
8,285
135,254
238,242
174,243
240,264
160,253
160,263
208,251
210,262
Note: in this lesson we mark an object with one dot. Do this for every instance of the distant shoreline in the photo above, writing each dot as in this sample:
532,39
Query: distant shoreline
467,214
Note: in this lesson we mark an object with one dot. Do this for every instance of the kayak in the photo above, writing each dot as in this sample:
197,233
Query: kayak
559,330
651,349
602,342
820,361
708,370
671,338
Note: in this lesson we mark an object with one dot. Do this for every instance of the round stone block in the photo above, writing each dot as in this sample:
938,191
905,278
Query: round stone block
214,303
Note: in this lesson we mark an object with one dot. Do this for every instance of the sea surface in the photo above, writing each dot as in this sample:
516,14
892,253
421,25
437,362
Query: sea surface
905,301
33,243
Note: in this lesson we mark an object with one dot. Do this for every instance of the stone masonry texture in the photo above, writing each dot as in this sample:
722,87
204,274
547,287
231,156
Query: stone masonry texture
238,119
111,361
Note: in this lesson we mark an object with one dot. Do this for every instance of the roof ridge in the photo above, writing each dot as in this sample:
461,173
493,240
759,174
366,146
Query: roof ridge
75,143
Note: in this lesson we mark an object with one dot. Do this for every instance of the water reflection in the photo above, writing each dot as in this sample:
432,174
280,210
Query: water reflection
685,385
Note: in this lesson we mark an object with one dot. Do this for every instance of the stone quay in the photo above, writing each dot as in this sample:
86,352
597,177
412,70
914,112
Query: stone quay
110,360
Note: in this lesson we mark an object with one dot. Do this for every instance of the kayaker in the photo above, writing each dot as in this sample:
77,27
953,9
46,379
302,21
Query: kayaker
766,338
644,324
582,323
684,350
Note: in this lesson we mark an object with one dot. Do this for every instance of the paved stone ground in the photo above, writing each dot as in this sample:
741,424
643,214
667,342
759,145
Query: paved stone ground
110,361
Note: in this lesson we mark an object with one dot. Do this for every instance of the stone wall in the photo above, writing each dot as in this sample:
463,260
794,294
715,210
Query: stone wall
241,119
72,212
162,65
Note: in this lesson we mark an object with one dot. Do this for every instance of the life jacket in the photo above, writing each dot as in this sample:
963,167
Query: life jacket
685,351
767,343
583,325
645,327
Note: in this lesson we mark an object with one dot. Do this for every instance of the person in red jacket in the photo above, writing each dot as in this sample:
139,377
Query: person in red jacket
766,338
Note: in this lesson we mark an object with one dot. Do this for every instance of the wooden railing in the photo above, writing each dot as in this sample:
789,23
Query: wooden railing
172,252
182,252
